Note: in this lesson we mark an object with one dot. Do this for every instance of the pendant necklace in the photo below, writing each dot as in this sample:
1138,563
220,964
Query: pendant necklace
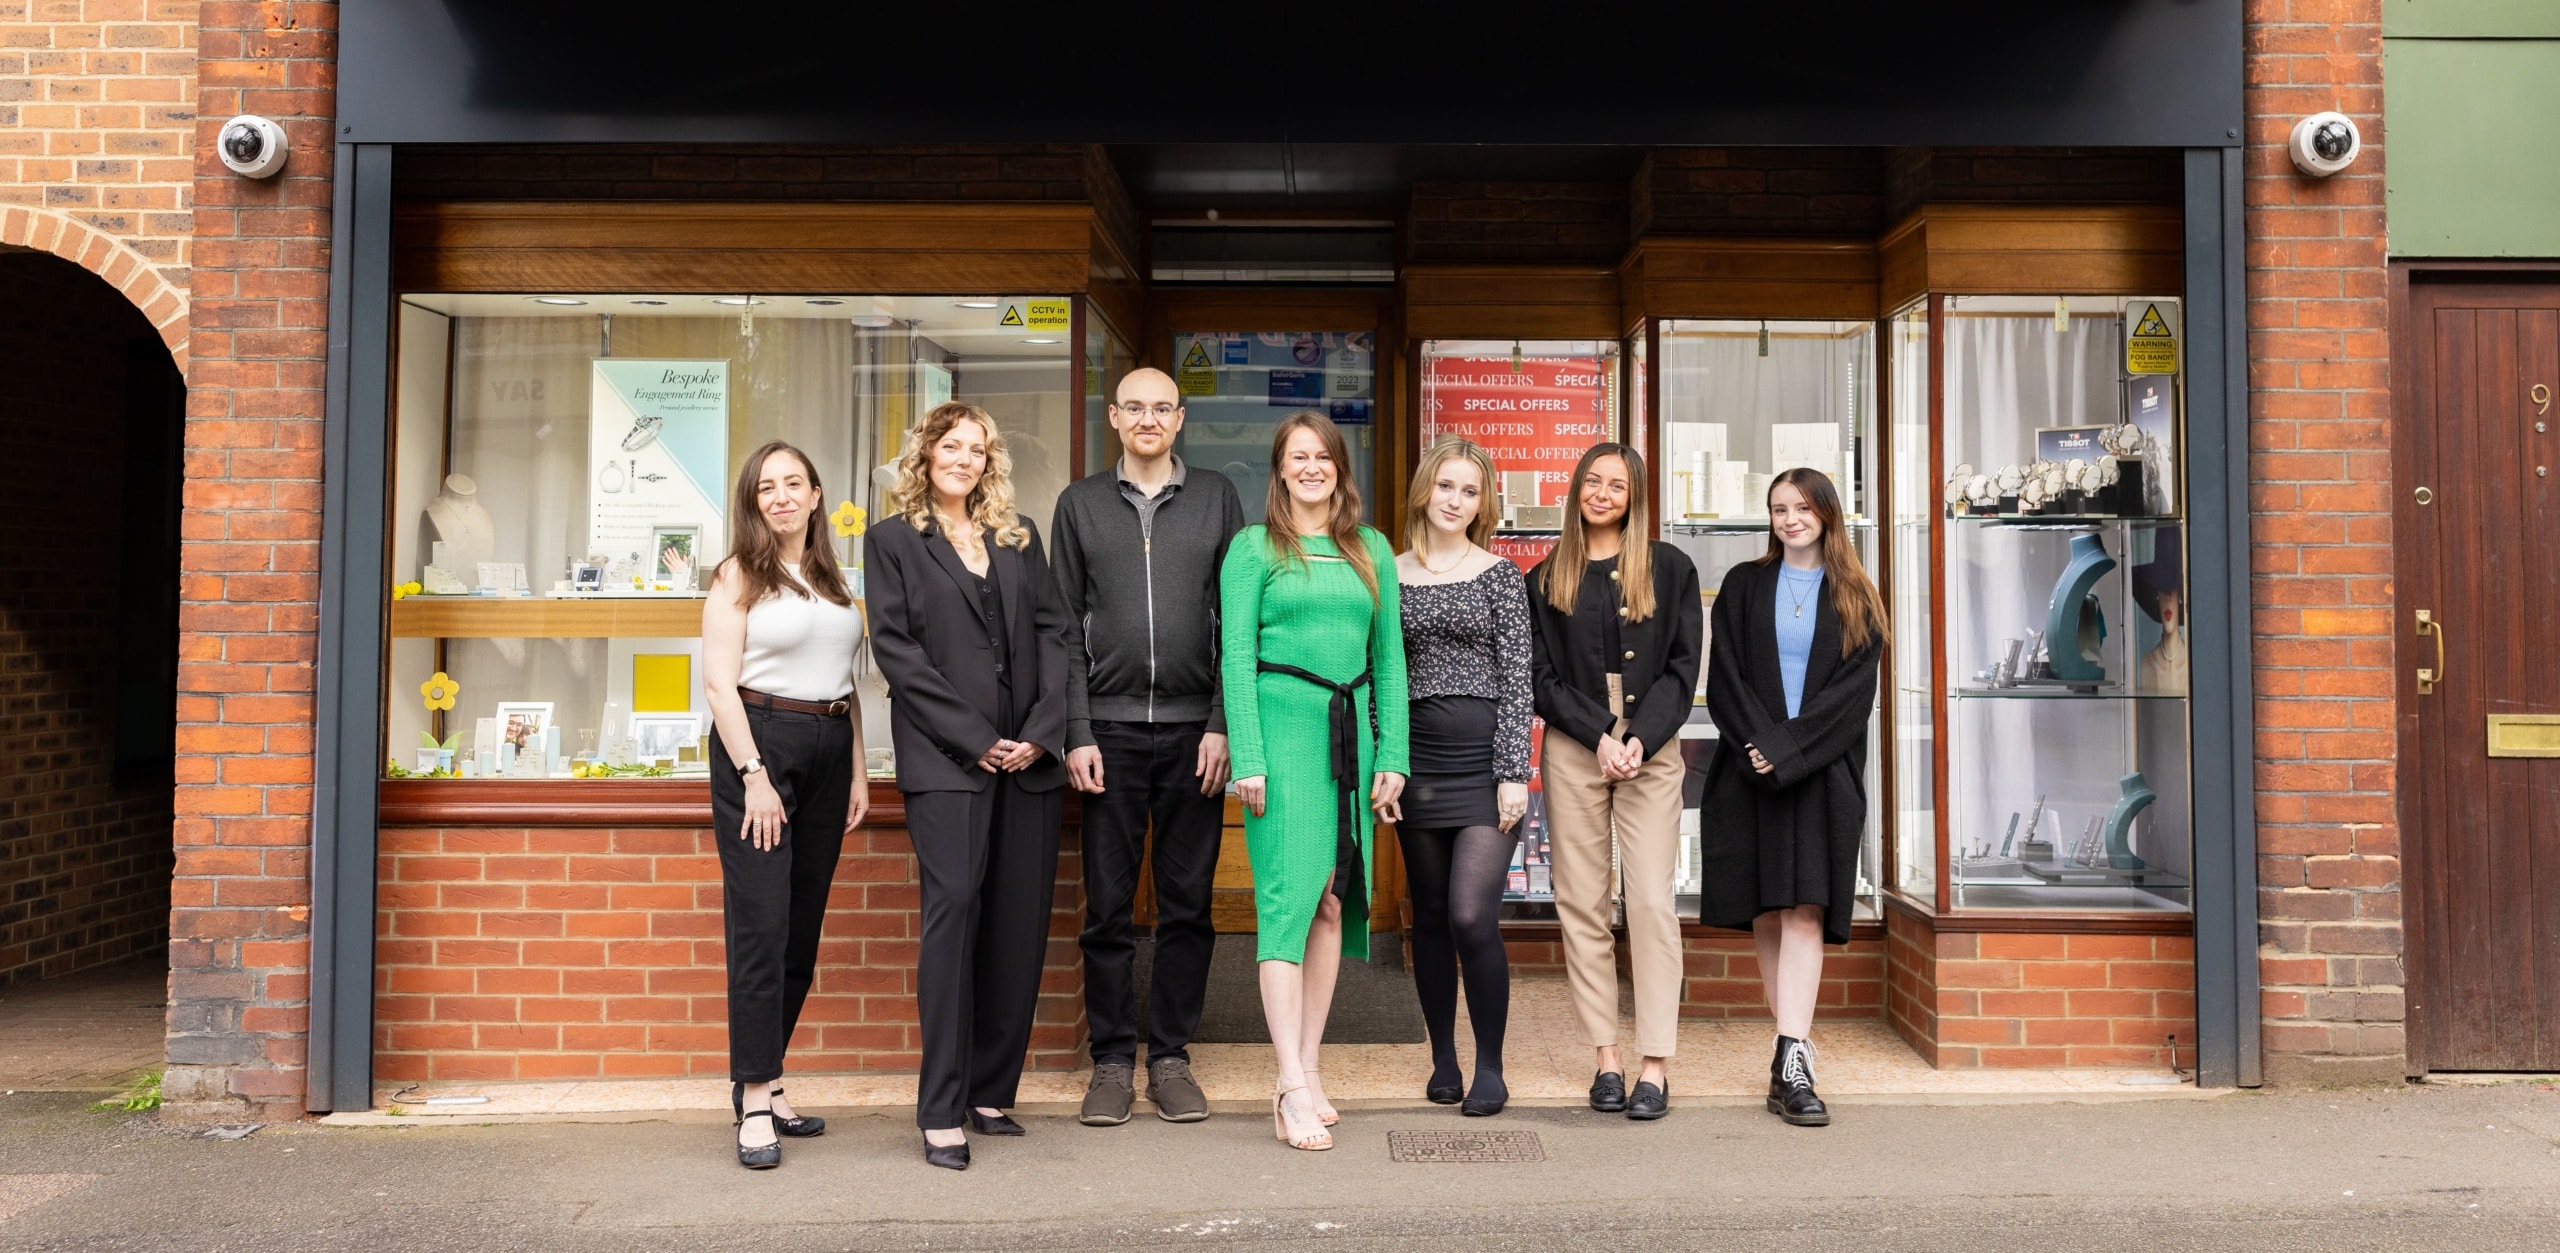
1425,562
1803,595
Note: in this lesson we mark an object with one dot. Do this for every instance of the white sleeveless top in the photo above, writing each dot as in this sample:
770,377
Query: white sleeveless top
800,647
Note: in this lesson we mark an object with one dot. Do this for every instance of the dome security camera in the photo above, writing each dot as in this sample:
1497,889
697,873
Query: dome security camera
2325,143
251,146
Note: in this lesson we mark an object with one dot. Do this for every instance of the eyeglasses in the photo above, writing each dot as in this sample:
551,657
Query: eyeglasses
1162,413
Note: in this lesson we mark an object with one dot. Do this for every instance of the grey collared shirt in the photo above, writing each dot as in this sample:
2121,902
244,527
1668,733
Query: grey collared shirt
1144,503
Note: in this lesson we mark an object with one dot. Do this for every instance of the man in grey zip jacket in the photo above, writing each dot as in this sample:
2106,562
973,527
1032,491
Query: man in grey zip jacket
1136,550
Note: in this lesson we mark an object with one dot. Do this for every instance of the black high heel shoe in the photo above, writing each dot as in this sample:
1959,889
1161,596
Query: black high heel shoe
798,1127
947,1156
760,1157
1000,1125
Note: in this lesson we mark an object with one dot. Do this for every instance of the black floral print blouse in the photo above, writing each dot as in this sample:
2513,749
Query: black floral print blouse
1472,639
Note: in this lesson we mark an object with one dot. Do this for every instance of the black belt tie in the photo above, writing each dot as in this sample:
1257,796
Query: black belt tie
1343,714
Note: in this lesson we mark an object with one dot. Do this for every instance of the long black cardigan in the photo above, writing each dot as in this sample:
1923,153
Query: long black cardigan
1790,837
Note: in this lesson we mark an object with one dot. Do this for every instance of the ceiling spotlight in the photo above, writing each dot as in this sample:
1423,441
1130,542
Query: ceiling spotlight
976,302
873,321
1044,341
822,303
555,300
735,301
651,303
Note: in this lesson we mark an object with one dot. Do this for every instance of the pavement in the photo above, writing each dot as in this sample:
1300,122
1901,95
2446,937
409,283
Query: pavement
2432,1166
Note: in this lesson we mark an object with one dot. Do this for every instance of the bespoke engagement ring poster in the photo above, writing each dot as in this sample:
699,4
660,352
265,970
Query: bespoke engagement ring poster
657,455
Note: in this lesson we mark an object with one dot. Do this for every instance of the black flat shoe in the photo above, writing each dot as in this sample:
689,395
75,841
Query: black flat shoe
1488,1097
1651,1101
800,1127
1000,1125
1609,1092
763,1157
1443,1087
1791,1094
947,1156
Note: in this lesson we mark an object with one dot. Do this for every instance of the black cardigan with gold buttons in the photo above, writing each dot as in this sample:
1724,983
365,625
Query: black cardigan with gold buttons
1658,664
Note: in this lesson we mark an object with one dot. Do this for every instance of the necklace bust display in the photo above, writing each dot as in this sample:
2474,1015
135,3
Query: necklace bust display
457,520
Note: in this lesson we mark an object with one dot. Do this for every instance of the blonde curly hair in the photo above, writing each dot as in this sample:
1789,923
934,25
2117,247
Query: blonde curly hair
990,503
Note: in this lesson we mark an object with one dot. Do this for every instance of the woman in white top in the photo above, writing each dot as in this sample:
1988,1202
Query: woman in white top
779,631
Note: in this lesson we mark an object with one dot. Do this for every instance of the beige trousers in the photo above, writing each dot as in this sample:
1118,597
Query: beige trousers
1582,808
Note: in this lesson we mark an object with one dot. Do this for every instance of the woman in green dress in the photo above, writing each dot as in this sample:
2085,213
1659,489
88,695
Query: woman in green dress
1312,647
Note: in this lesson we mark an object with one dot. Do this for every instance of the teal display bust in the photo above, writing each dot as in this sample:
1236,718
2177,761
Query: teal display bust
2137,796
2074,626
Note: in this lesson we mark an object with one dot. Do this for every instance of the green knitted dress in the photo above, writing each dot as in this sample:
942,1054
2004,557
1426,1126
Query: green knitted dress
1317,616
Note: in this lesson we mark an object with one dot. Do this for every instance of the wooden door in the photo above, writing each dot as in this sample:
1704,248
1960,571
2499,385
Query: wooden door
2478,557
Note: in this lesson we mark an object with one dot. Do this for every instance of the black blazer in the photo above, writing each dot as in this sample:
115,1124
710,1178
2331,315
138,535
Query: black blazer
937,654
1790,836
1569,678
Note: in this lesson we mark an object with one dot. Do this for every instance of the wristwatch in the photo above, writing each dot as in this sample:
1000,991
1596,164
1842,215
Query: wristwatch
753,765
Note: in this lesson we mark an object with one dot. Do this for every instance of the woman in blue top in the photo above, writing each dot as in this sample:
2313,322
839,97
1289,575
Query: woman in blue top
1791,684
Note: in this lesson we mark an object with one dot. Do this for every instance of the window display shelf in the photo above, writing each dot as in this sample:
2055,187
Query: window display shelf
1758,526
2057,693
2063,521
595,617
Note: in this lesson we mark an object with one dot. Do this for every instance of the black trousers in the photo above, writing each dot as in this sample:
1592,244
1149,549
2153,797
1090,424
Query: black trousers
987,867
773,901
1148,773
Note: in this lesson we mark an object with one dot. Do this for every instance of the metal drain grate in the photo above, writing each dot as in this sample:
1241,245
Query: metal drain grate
1465,1146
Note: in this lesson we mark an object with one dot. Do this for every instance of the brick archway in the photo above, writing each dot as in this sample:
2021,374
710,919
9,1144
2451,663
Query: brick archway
162,304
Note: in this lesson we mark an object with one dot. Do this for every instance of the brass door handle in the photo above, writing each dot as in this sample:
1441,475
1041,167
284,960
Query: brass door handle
2427,679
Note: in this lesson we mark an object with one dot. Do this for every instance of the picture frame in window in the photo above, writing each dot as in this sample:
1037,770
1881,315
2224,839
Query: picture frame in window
655,738
675,556
522,723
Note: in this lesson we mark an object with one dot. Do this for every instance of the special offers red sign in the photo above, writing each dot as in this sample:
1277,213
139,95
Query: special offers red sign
1539,417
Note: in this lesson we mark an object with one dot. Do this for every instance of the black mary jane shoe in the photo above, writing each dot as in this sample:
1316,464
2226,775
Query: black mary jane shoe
947,1156
1791,1094
801,1127
1609,1092
1000,1125
761,1157
1651,1101
1488,1097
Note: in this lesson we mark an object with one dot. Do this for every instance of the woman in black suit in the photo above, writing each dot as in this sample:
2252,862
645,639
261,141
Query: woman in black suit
972,639
1791,684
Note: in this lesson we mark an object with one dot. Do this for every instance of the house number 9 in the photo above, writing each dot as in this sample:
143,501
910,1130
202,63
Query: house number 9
2541,399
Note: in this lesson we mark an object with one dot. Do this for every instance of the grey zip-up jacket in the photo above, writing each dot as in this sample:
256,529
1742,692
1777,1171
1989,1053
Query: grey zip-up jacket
1142,598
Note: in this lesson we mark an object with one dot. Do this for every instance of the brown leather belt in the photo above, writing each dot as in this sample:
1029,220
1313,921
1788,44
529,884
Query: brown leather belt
820,708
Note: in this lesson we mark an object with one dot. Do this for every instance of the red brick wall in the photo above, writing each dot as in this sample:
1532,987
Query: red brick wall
249,584
2320,503
1760,191
1722,974
1552,222
1998,999
84,855
97,112
507,954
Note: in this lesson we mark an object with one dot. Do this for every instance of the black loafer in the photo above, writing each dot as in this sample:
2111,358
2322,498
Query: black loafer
1651,1101
947,1156
801,1127
1609,1092
1000,1125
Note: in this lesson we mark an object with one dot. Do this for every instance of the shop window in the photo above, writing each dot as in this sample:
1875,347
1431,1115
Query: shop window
1108,358
564,466
1238,385
1914,721
1742,401
2061,623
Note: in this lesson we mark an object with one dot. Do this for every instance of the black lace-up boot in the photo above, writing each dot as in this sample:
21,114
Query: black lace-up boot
1791,1094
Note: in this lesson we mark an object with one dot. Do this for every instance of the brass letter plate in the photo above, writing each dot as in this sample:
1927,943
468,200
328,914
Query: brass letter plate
2524,735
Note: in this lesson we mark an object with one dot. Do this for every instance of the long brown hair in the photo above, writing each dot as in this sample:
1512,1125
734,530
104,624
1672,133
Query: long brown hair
757,552
1343,526
990,502
1426,476
1635,543
1853,594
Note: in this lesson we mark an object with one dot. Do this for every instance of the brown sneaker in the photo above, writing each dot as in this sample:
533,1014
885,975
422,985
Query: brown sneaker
1107,1097
1177,1096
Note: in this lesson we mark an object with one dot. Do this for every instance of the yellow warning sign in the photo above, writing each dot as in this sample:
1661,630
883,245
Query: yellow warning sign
1196,376
1048,315
1012,316
2151,347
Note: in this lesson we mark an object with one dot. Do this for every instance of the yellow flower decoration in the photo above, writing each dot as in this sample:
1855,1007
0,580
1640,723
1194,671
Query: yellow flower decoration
402,591
440,691
848,519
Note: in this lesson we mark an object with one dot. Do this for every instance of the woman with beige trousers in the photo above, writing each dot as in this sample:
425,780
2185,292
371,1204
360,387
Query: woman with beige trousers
1614,655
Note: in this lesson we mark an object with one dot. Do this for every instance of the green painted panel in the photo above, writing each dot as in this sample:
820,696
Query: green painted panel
2471,19
2472,165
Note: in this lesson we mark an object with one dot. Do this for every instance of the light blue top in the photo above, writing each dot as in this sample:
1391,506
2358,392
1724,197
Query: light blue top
1797,590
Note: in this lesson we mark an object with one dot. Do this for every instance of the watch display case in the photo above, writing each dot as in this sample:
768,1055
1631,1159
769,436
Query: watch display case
1740,402
2060,644
563,467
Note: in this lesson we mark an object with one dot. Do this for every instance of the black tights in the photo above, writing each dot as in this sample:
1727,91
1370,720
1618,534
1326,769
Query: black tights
1456,876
